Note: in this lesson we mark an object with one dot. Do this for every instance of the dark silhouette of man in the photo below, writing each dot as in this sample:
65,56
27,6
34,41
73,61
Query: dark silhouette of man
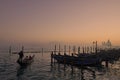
21,55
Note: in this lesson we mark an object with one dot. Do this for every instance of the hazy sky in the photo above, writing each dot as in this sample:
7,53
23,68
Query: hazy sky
37,21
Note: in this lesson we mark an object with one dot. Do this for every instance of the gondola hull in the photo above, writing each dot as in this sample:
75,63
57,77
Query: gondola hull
79,61
25,62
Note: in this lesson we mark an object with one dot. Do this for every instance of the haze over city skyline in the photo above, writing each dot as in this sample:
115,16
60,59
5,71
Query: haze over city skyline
72,21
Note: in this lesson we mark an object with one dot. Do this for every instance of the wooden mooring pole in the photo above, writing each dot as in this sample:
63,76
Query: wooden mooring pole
52,58
79,50
72,65
59,50
69,49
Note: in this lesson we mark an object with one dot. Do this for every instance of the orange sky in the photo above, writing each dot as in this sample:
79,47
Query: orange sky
37,21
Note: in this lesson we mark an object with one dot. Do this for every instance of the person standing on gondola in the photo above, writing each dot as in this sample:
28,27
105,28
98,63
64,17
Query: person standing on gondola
21,55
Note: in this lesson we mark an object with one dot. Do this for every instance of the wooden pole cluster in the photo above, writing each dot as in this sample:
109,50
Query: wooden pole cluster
84,49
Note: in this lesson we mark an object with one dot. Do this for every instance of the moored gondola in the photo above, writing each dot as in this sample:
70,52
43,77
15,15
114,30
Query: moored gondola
79,61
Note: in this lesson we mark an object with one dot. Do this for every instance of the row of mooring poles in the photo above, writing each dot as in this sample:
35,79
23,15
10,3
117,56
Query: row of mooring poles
89,50
10,49
86,50
74,51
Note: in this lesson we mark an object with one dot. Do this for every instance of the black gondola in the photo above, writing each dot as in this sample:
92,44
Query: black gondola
80,61
25,61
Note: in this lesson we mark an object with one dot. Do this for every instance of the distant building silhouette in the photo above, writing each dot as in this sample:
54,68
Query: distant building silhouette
107,44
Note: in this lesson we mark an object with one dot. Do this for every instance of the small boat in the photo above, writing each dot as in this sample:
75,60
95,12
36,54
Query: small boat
25,61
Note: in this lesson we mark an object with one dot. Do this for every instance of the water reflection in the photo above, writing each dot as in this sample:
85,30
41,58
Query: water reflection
21,70
41,69
61,71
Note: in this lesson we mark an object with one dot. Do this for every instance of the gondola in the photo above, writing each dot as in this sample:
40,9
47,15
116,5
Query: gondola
79,61
25,61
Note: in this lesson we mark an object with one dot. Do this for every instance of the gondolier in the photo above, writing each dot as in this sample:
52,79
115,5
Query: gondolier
21,55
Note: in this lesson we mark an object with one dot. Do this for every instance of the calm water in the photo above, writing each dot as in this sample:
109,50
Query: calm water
41,69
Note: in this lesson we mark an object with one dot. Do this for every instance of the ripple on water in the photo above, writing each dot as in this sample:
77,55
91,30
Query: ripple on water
41,69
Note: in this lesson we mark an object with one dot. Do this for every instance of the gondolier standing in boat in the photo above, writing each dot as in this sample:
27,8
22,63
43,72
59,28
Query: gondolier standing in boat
21,55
